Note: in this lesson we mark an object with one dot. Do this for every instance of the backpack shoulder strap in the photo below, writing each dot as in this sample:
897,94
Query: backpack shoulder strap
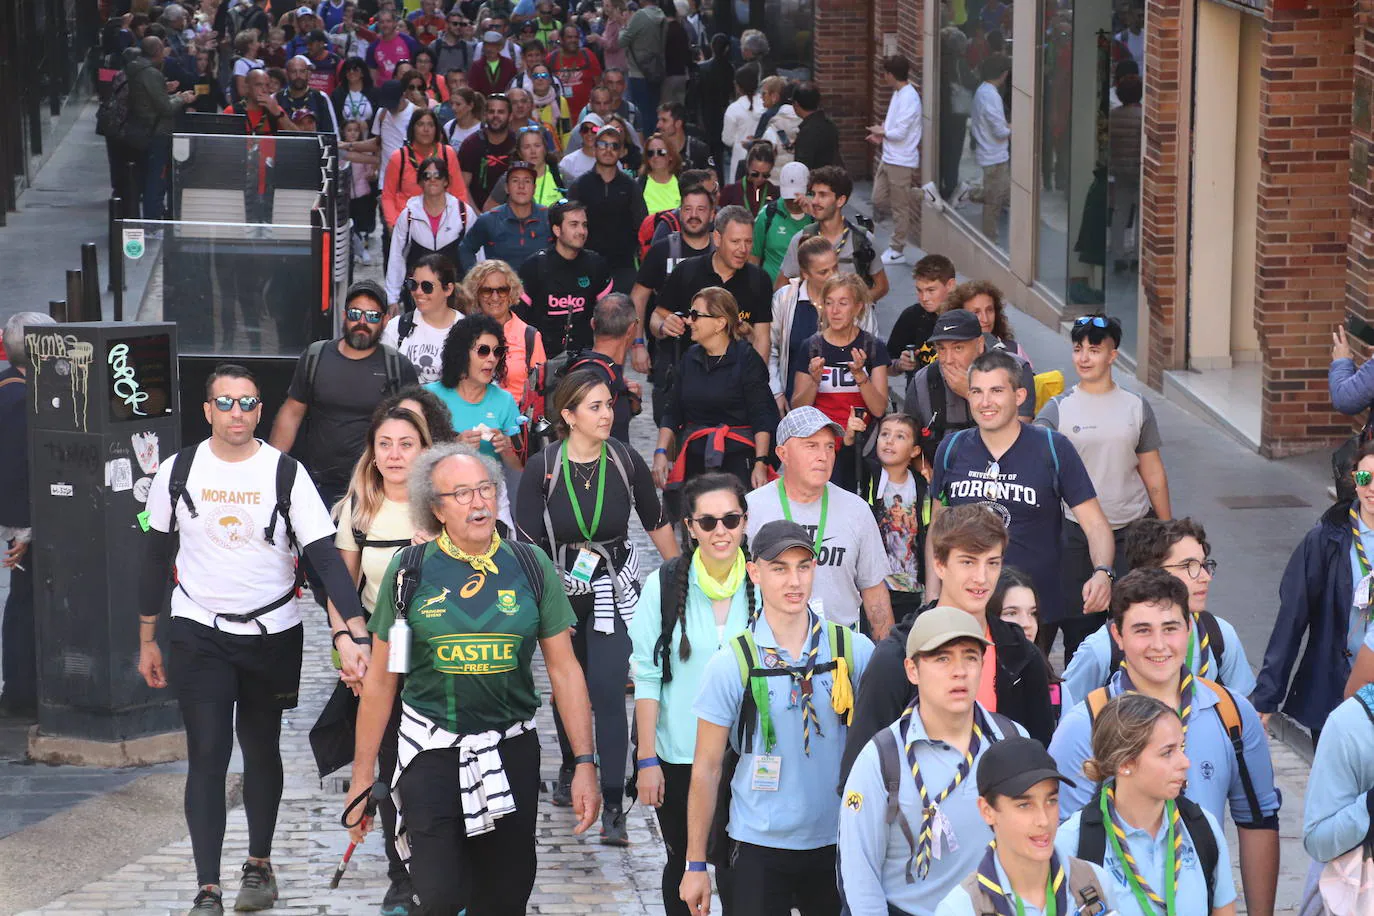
286,481
1204,841
530,334
1092,832
312,368
953,444
1004,725
890,766
1216,642
1096,700
621,460
176,484
1054,452
675,246
771,213
978,897
524,553
392,358
408,577
1083,884
405,327
1235,730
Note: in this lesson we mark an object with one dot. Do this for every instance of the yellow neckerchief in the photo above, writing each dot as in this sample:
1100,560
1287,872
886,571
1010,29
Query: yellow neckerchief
481,562
719,590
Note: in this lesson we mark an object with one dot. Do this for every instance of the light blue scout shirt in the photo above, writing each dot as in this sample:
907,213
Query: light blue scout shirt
804,811
1087,670
1358,630
1213,774
1337,816
1150,855
675,738
873,854
958,903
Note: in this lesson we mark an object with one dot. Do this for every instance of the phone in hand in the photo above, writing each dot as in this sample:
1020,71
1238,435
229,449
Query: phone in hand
860,412
1360,329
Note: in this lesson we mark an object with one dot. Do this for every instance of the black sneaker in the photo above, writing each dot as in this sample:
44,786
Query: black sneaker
562,792
207,903
613,827
400,897
257,888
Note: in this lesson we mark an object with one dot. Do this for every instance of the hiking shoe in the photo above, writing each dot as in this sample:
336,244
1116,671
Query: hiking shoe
400,897
613,826
207,903
562,792
257,888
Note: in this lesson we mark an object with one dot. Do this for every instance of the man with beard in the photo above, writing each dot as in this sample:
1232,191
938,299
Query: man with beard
576,67
615,208
298,96
563,282
338,383
485,155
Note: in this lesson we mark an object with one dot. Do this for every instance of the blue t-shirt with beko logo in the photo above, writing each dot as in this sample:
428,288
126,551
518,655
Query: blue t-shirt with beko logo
1024,486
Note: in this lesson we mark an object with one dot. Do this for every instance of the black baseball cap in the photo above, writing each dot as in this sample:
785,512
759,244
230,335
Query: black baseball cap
956,324
369,288
389,94
1011,766
778,537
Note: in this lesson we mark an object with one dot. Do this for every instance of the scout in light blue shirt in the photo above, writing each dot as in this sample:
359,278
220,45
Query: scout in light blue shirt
1359,632
880,871
1339,797
1021,872
1090,667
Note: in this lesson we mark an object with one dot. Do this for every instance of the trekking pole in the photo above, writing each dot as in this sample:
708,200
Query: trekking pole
374,794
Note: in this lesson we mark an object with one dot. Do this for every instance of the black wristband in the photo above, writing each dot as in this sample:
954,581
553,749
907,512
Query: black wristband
361,640
337,633
584,758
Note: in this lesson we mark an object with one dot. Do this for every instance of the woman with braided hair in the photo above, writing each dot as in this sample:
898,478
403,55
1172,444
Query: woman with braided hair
1164,853
689,608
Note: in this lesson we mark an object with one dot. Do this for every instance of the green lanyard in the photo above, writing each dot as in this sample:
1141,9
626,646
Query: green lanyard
587,533
825,508
1051,904
1147,901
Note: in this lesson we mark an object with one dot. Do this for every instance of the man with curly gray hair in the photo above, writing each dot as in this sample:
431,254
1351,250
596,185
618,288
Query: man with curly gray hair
462,627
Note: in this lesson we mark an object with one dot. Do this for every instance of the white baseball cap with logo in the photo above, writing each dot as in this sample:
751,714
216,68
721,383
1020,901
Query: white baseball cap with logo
792,182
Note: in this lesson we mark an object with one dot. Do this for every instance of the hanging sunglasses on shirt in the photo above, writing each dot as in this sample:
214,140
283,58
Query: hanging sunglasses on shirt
424,286
372,315
485,350
247,403
731,521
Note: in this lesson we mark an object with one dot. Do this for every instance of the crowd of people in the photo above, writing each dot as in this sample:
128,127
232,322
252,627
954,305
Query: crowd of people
866,544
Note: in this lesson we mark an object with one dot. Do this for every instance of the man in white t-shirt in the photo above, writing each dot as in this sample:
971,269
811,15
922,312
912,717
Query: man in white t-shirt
851,561
990,130
392,120
240,509
900,137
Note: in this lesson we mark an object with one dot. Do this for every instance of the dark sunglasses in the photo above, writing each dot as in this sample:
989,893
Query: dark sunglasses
425,286
413,86
433,176
485,350
372,315
694,315
248,403
458,22
656,152
731,521
757,175
607,144
493,290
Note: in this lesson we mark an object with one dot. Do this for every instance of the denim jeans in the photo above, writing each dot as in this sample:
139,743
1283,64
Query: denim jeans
157,159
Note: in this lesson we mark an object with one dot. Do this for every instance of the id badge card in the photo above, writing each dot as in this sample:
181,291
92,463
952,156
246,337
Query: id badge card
586,564
767,773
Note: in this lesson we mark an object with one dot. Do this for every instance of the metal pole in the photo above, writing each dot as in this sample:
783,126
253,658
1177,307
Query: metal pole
131,188
57,310
75,307
116,203
90,277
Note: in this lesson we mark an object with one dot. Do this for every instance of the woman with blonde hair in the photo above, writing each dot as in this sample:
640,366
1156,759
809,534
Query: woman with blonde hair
658,175
494,288
720,414
1162,851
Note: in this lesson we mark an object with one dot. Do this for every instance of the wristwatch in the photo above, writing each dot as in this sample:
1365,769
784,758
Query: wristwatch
1111,575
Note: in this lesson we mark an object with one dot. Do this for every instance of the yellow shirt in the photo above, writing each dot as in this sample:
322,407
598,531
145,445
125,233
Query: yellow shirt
391,523
660,197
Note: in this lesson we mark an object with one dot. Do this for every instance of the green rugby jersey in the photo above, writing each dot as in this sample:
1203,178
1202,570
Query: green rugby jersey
472,638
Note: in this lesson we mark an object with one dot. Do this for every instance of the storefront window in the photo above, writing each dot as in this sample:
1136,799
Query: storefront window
1090,140
975,134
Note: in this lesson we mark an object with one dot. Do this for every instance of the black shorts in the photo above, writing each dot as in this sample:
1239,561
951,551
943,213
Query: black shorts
206,665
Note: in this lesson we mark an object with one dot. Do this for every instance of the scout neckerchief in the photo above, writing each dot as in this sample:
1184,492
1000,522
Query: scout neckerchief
930,810
825,508
719,590
1004,899
802,690
1187,695
480,562
1149,900
1202,639
588,534
1360,557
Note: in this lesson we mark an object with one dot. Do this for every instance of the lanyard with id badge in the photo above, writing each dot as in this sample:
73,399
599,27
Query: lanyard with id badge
585,566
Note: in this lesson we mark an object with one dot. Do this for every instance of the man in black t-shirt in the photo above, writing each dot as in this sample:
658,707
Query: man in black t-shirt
563,283
615,208
484,156
695,153
337,385
695,214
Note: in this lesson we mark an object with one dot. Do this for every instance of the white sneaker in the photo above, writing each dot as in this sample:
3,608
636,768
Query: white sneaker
893,256
364,256
962,195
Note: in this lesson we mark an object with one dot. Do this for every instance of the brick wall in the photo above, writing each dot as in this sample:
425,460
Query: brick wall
1303,227
1359,286
1160,195
844,51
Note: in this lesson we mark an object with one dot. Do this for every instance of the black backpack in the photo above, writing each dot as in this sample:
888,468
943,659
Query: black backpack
860,243
391,357
113,113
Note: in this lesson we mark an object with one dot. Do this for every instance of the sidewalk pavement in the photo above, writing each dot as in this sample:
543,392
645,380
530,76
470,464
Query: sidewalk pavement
1255,510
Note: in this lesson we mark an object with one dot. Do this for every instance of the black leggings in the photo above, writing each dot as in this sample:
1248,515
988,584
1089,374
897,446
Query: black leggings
605,660
491,874
386,759
672,824
210,727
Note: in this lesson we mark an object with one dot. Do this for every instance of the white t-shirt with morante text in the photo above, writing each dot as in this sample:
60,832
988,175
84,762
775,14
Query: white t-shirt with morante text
223,562
852,556
423,346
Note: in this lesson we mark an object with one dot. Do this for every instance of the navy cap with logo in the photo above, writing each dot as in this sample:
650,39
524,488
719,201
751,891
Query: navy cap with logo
956,324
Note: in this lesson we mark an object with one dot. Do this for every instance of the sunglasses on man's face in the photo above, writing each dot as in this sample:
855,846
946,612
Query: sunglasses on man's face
485,350
247,403
424,286
607,144
731,521
372,315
